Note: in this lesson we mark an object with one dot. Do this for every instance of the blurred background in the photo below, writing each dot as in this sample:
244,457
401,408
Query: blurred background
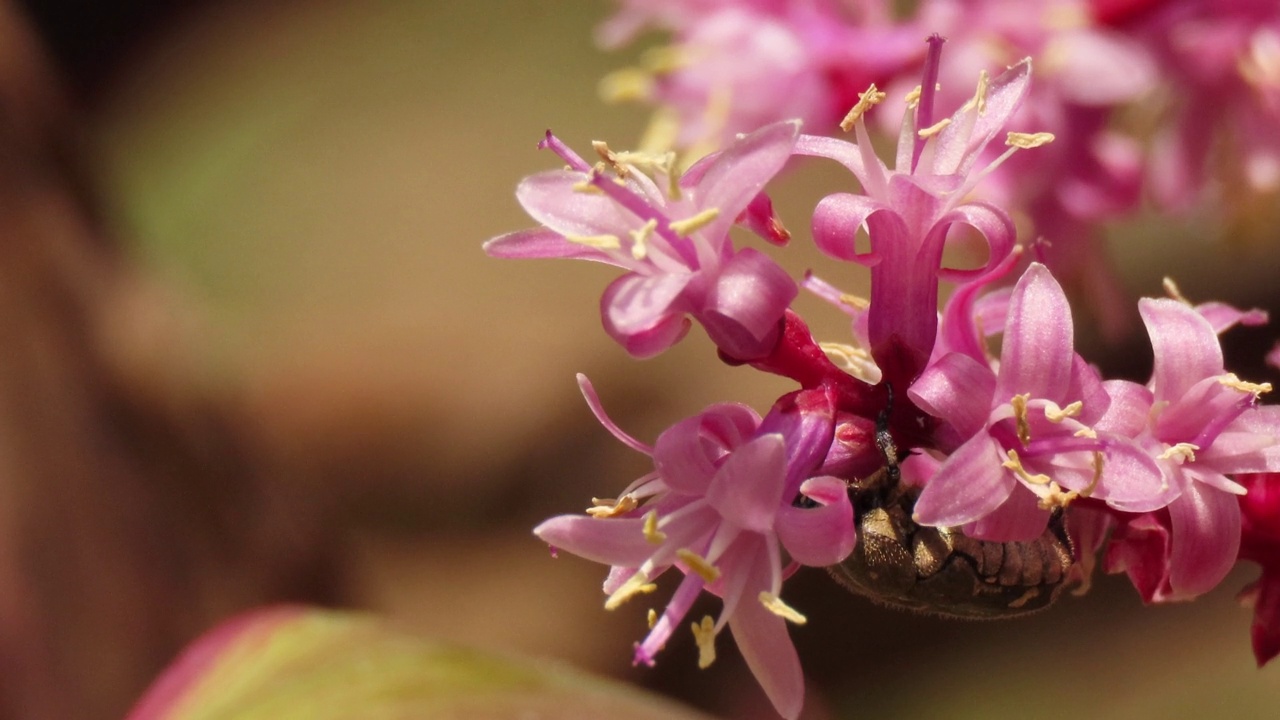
252,352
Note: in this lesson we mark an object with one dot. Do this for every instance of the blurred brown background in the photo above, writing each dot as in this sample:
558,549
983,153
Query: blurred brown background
252,352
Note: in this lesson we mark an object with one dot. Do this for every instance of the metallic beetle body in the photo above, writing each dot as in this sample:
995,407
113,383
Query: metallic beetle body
941,571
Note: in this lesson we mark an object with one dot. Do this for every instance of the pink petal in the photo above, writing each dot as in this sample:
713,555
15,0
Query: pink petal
823,535
543,243
747,489
641,313
1038,353
1265,632
971,483
958,147
1017,519
1199,413
958,390
609,541
1140,548
550,198
1223,317
1089,78
1206,538
738,174
1129,411
836,221
1131,480
681,457
764,643
1185,345
744,308
843,152
1251,443
995,227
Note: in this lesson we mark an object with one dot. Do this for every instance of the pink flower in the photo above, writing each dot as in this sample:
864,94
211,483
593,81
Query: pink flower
1020,432
719,507
1260,543
736,65
1201,425
675,249
908,211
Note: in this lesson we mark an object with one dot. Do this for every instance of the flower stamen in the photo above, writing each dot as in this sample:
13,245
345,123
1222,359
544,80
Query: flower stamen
866,100
637,584
699,565
690,224
1055,414
1234,382
651,531
1019,403
1182,452
704,634
775,605
608,507
1014,463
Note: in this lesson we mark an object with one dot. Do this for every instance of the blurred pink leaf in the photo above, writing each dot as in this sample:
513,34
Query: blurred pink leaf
296,662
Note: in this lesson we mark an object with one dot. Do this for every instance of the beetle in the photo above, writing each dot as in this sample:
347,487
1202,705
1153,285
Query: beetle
942,571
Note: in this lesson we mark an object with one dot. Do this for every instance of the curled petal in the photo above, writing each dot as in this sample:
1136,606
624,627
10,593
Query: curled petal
597,409
642,312
1206,538
836,221
822,535
994,226
845,153
744,308
1223,317
971,483
1038,342
1185,345
1131,480
956,389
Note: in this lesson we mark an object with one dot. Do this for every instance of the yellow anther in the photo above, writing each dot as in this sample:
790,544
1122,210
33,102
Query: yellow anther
774,604
853,360
1019,403
626,85
608,507
704,634
1026,141
690,224
1231,381
599,242
698,564
587,188
637,584
980,96
866,100
913,97
652,618
1055,414
610,158
1171,289
1180,452
651,531
1014,463
1085,432
640,239
856,302
1098,463
663,59
934,129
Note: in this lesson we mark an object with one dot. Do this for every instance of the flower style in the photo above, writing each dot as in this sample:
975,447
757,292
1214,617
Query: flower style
671,238
908,211
719,507
1260,543
1021,435
1201,424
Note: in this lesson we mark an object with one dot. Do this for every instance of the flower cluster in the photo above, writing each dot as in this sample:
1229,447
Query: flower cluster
1015,447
